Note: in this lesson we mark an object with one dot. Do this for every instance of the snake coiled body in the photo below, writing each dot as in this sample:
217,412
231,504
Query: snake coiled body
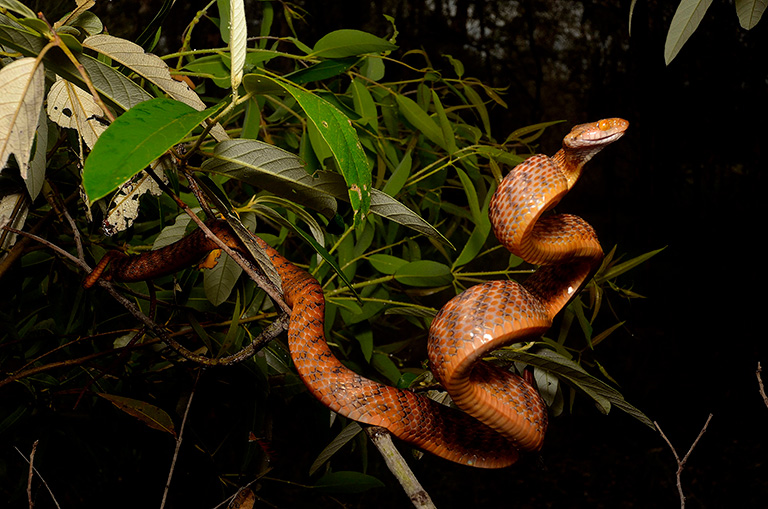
502,413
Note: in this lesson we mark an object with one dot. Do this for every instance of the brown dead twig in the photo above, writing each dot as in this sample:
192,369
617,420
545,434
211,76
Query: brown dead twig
760,385
32,469
681,463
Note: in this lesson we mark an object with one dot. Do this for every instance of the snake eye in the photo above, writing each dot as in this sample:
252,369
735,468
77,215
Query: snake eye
604,124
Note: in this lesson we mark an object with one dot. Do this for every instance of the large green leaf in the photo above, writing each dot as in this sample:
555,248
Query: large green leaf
337,131
135,139
347,43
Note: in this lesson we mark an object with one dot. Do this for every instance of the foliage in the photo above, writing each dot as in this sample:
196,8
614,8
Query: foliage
689,14
366,163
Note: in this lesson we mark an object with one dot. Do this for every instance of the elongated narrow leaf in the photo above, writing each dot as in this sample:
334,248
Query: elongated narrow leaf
601,393
282,173
750,12
348,433
150,67
480,108
337,131
623,267
135,139
152,416
685,21
449,138
347,43
421,120
21,99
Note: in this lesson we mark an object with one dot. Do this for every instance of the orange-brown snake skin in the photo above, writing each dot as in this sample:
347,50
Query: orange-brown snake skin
502,412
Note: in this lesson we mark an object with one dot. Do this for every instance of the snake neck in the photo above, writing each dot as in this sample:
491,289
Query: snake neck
571,162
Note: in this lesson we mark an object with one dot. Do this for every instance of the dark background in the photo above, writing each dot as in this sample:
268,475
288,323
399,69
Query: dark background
689,175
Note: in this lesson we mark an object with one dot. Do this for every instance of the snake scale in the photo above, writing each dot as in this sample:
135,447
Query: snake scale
502,412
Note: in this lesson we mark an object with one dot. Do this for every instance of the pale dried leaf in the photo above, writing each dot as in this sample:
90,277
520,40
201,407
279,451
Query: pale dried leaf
72,107
8,204
36,174
238,40
125,204
21,99
152,68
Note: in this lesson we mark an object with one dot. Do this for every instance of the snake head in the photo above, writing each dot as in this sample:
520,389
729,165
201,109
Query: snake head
595,135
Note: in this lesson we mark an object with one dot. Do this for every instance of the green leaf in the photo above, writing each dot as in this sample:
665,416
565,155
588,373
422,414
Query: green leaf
535,131
685,21
750,12
347,482
321,71
599,391
420,120
337,131
424,273
384,365
475,243
480,108
623,267
347,43
221,279
445,125
386,264
349,432
364,104
399,177
135,139
152,416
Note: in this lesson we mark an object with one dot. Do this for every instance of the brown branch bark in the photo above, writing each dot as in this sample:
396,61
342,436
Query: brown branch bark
760,385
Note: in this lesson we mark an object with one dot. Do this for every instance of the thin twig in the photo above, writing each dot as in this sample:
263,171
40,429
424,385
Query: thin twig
29,476
681,463
269,333
56,502
382,439
759,375
178,441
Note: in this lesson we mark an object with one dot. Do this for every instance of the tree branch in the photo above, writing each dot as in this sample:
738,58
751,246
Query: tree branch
382,439
681,463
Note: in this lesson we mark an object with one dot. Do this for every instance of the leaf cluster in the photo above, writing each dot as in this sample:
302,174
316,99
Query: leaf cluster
380,187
